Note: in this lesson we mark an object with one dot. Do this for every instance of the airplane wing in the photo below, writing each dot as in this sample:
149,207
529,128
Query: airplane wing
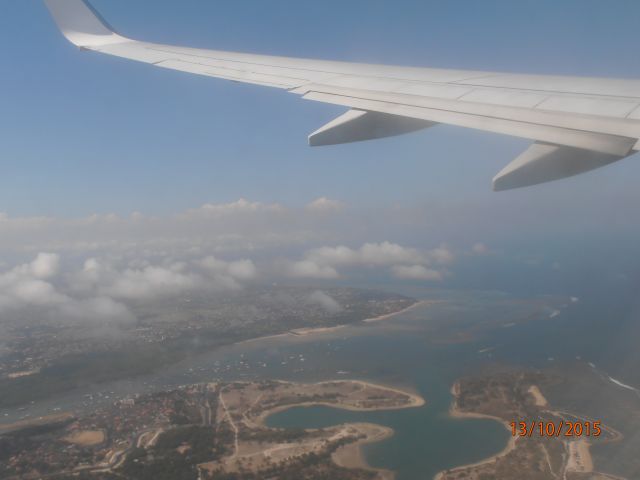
577,124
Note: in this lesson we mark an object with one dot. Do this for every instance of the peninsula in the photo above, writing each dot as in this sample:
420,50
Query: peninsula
517,396
206,431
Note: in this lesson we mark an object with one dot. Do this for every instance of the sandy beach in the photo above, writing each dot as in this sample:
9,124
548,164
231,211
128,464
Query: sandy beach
538,398
387,316
351,456
310,331
415,401
579,457
34,422
304,332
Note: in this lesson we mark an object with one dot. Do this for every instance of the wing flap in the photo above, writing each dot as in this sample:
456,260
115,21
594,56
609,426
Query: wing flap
589,123
360,125
603,143
543,162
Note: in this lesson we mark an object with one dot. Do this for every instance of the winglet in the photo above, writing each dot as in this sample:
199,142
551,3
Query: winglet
81,24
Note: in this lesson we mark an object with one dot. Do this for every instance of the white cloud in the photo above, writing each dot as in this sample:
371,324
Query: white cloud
480,249
29,288
99,310
26,285
325,301
416,272
151,282
375,254
387,253
93,293
242,270
241,206
324,205
333,256
212,247
311,269
139,279
405,262
227,275
442,255
221,229
45,265
31,291
106,262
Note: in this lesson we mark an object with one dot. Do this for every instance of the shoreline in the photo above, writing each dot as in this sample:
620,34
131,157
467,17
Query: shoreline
303,332
308,331
454,412
579,460
387,316
36,422
352,455
416,401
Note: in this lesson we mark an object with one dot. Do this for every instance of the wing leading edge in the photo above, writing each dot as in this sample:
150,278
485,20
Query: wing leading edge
577,124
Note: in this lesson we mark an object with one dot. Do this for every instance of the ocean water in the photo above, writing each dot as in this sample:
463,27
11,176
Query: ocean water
425,350
407,351
401,352
426,439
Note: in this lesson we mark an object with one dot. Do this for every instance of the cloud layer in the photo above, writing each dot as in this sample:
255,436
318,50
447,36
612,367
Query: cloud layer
95,269
402,262
30,289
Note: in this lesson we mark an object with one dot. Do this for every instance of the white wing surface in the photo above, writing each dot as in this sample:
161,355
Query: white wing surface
577,124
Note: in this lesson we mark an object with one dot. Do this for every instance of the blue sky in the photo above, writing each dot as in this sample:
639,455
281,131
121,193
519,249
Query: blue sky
87,140
83,133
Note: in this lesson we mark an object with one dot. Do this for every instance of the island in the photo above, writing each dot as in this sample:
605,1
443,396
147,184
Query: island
205,431
515,396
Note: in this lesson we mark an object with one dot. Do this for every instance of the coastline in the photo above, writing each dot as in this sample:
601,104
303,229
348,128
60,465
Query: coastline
36,421
387,316
579,458
303,332
308,331
352,455
416,401
454,412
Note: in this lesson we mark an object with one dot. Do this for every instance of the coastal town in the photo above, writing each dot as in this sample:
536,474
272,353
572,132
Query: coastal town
38,360
204,431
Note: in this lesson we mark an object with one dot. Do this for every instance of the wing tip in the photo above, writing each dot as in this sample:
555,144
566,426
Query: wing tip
81,24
